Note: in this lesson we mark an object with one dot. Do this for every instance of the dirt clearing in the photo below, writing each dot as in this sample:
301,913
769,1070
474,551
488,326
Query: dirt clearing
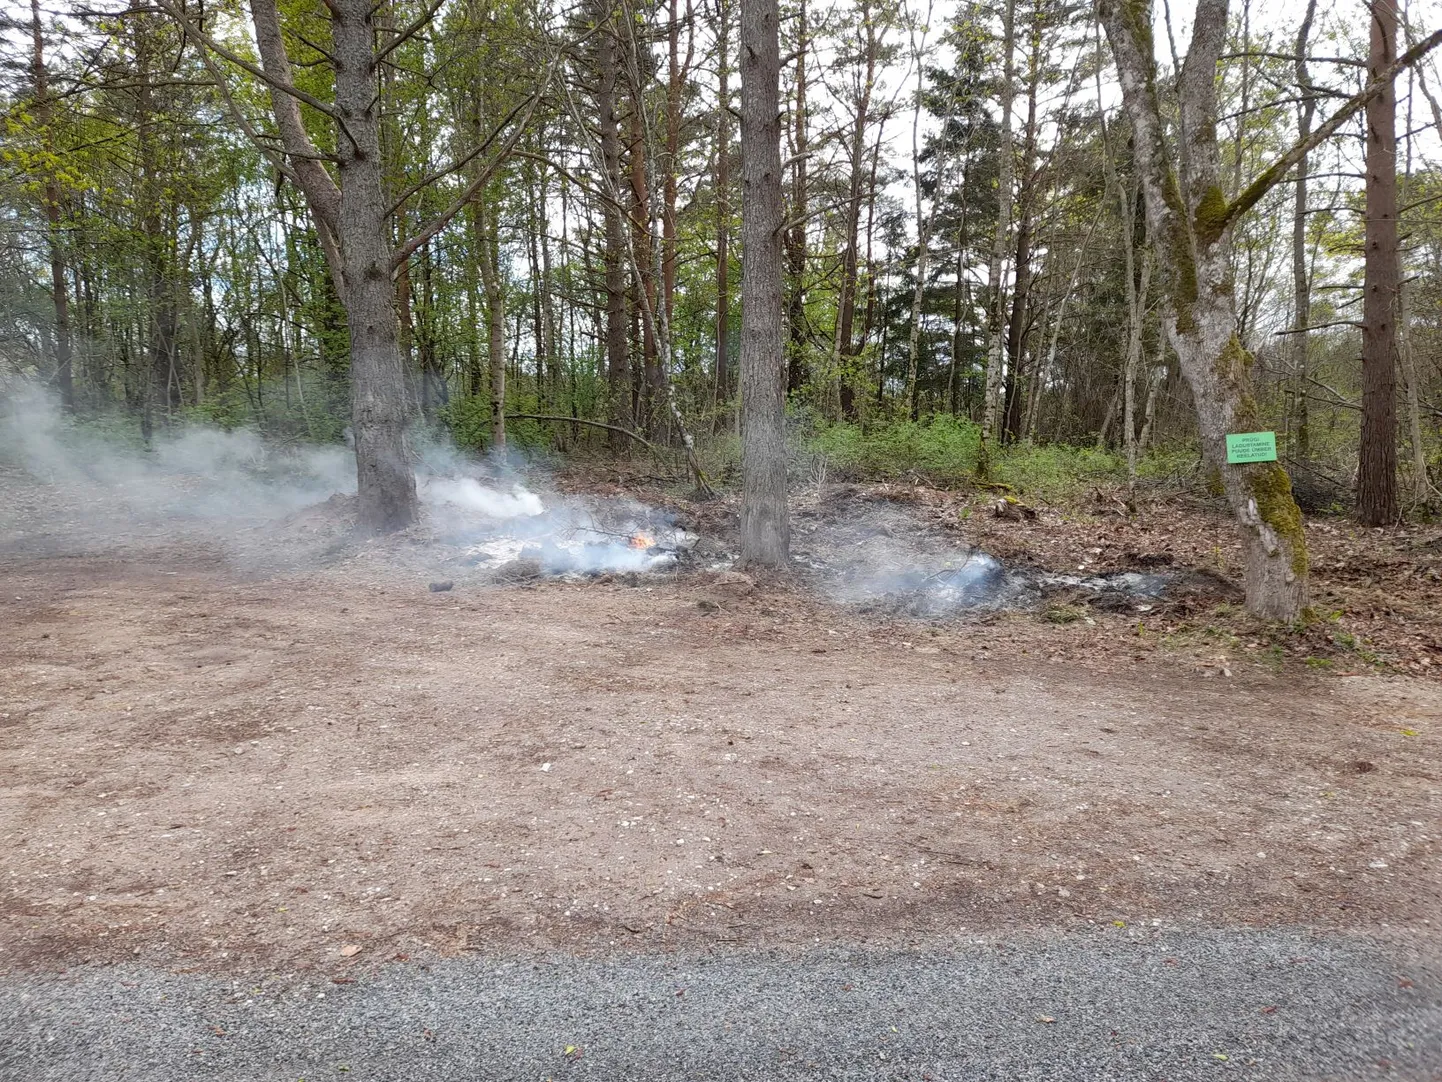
202,769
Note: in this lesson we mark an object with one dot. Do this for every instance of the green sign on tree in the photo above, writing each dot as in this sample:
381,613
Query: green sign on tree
1251,447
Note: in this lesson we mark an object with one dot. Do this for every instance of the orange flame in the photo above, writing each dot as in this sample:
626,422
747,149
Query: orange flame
642,540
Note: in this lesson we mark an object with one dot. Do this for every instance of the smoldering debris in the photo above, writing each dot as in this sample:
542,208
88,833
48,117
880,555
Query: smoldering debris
273,506
579,538
877,556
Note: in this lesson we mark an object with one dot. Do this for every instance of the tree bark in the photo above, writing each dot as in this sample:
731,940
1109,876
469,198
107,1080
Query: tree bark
351,217
642,248
1421,482
61,346
675,79
996,326
1377,465
842,345
765,529
1189,222
493,286
1136,323
797,370
1301,272
723,210
618,362
1021,267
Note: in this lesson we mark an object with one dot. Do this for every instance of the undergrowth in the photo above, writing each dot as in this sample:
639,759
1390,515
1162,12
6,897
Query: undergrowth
945,451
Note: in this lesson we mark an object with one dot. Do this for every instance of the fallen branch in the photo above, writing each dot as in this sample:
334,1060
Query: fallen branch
642,440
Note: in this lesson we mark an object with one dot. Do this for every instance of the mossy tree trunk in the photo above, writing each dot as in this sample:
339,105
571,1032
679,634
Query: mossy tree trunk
1188,219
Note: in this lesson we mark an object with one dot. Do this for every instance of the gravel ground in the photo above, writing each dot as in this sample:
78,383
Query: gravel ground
1119,1005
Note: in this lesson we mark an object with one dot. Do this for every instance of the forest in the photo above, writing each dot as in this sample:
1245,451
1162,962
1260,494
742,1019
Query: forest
720,539
1004,237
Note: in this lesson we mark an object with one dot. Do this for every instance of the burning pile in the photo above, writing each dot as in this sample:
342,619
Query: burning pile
517,534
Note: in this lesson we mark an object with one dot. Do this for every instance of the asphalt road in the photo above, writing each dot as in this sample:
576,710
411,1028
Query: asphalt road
1108,1005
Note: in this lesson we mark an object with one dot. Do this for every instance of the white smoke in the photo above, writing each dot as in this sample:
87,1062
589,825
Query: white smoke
468,494
91,485
192,472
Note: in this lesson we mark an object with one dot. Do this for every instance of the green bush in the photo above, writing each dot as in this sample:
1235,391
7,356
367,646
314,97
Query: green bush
468,419
1056,472
943,448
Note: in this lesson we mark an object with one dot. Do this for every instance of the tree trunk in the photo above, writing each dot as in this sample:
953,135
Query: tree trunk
1154,384
765,530
923,231
353,228
493,286
1016,328
723,210
1301,273
642,242
676,76
996,327
1136,323
1190,225
842,346
1021,268
54,233
1421,483
618,361
797,372
1377,465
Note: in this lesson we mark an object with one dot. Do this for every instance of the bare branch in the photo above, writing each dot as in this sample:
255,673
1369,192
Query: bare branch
441,220
1252,194
583,421
410,31
460,163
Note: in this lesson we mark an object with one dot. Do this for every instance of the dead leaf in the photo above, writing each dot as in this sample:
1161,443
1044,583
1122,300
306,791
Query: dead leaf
1047,1019
350,950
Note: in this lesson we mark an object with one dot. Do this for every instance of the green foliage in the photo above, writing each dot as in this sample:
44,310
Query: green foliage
944,448
1056,473
468,419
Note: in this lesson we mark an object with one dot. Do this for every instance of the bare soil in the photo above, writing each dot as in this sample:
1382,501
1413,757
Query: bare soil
208,768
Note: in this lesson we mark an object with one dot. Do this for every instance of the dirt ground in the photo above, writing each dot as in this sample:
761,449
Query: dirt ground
238,747
205,769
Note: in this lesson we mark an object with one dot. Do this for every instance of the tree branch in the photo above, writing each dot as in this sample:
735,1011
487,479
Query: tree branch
583,421
410,31
461,163
283,85
440,221
1253,193
305,170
